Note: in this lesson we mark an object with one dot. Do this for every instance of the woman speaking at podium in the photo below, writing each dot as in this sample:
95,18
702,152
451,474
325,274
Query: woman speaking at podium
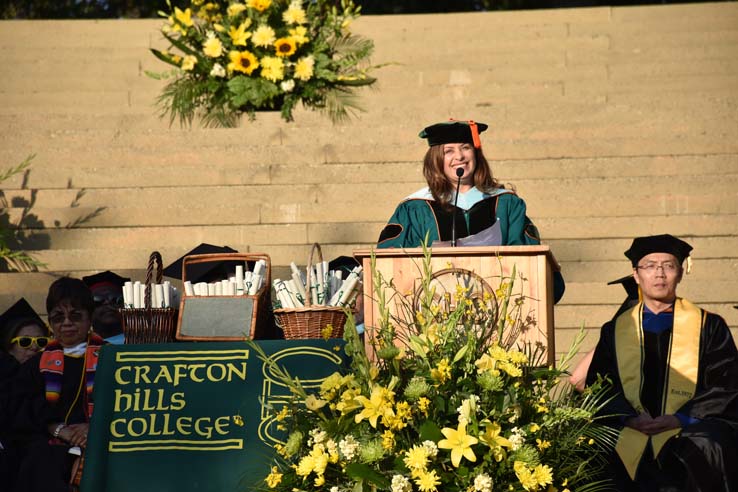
455,163
462,198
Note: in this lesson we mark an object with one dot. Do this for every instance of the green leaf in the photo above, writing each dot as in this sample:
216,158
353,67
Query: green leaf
182,46
461,353
164,57
429,431
257,93
361,471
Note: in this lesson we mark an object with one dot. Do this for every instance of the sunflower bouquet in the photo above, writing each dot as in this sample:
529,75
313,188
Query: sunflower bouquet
447,401
232,58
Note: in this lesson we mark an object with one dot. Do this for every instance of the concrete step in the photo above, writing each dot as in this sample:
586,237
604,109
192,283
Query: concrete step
610,131
717,269
637,187
700,291
611,249
224,211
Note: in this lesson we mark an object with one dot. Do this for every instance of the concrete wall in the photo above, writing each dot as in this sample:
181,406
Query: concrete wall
610,122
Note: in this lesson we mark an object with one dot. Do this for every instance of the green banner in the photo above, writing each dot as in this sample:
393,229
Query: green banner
188,416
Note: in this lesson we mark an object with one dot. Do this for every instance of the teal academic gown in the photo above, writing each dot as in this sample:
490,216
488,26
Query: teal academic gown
419,214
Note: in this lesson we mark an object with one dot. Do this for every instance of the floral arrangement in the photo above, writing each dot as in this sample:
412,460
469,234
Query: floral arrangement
232,58
450,401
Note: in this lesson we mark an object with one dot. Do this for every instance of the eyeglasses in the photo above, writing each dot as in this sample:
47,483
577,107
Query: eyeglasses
651,267
26,342
73,316
112,300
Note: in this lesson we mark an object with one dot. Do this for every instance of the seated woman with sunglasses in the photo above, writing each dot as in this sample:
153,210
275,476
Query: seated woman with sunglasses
22,334
53,391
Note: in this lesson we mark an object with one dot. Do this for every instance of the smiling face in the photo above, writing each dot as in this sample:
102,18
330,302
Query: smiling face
658,275
69,324
459,156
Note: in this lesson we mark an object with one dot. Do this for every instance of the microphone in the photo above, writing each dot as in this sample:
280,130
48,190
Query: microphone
459,174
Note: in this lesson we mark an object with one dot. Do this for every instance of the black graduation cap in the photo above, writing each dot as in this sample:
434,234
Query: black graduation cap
663,243
105,278
20,310
204,272
454,132
629,284
343,263
631,288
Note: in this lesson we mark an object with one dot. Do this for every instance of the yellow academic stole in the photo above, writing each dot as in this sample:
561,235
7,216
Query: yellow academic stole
681,383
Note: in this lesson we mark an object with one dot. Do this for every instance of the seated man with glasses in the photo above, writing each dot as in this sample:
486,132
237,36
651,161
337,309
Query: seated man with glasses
674,373
107,292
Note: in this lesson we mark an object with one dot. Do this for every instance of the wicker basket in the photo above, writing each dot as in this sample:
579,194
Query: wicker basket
150,325
309,321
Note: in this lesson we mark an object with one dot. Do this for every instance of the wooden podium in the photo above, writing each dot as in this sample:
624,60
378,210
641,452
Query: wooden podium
472,265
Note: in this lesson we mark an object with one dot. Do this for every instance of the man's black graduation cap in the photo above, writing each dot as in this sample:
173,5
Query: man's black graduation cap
20,310
204,272
105,278
343,263
663,243
631,288
629,284
454,132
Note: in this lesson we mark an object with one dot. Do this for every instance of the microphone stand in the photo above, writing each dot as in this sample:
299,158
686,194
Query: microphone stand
459,174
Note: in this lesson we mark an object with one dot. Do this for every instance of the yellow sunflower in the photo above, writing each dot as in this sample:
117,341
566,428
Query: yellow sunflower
285,47
242,61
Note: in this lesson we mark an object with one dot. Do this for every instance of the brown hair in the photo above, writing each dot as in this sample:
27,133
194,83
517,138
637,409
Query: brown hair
441,188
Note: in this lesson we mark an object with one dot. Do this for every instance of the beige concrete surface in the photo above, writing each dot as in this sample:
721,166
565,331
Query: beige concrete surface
609,122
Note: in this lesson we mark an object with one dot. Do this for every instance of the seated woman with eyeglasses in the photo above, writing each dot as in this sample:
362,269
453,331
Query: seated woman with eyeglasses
53,391
22,334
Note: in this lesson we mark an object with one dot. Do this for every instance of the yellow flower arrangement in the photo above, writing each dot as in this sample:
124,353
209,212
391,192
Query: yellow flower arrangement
278,53
460,411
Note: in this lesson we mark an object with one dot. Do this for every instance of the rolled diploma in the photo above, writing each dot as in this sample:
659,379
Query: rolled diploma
128,294
283,293
321,288
313,287
137,294
239,277
299,287
296,271
255,284
292,290
167,293
342,289
189,288
259,267
217,289
158,296
142,293
348,290
326,282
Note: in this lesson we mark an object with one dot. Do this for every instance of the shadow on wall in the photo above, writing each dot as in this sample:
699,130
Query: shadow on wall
23,235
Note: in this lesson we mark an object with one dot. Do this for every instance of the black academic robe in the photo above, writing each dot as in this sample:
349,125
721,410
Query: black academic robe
45,467
704,456
8,451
